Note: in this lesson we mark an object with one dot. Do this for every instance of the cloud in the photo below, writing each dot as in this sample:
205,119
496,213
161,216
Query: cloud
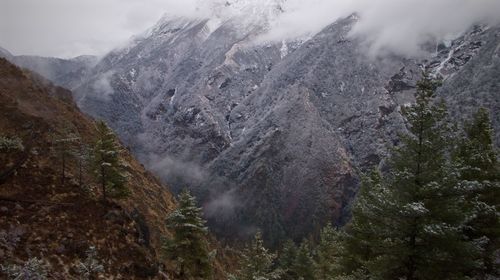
223,206
403,26
65,28
177,172
102,87
399,27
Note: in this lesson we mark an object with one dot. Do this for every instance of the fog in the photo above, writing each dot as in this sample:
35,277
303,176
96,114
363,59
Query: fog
387,26
68,28
65,28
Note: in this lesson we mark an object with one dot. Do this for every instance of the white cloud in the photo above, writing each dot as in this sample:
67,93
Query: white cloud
68,28
395,26
402,26
103,87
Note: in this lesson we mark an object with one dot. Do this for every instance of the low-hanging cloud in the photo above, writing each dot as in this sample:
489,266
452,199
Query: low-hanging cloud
399,27
68,28
404,26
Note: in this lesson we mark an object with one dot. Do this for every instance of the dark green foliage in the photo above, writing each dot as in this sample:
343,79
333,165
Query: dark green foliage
257,263
303,266
476,150
409,225
368,226
286,260
477,157
107,165
188,249
298,262
327,253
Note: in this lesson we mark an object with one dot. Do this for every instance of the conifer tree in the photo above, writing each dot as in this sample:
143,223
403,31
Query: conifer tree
303,266
327,253
257,263
480,171
409,224
64,143
286,260
107,165
188,248
82,153
372,215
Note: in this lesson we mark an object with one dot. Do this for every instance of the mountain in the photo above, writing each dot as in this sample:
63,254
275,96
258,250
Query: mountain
43,218
269,134
67,73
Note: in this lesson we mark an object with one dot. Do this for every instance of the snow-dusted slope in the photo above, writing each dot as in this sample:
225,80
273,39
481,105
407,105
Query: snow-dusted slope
268,134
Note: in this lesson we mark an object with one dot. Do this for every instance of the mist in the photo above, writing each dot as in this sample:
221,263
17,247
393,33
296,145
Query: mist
64,28
398,27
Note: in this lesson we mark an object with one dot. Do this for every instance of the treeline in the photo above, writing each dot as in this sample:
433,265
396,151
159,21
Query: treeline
434,214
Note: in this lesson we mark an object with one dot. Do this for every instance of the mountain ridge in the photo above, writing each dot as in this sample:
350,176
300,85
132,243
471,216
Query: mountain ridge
263,137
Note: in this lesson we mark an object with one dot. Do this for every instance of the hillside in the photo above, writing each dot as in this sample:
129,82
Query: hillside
40,217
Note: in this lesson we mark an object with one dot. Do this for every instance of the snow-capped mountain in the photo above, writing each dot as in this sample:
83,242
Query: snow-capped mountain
267,133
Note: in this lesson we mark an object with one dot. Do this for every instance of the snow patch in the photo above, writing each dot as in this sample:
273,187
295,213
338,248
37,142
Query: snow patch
284,49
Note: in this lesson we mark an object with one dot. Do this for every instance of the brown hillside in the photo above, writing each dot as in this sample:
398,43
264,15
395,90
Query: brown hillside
41,217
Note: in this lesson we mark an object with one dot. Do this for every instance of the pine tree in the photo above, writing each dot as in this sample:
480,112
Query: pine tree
286,260
409,225
303,266
188,248
82,153
480,171
64,143
107,165
327,253
372,214
257,263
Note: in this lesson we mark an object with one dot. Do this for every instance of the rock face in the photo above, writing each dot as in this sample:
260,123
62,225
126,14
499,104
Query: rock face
272,136
476,82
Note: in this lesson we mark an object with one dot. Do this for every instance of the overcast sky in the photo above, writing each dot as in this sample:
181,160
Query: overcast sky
67,28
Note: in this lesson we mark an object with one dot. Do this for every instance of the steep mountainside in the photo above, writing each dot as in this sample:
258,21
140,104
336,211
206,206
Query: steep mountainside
271,134
44,218
268,134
